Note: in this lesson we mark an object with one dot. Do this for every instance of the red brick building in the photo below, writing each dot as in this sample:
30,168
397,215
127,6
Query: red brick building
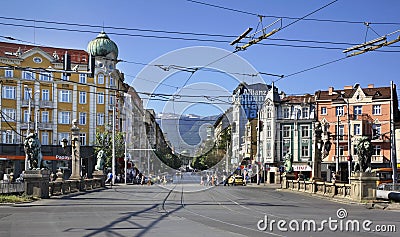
349,114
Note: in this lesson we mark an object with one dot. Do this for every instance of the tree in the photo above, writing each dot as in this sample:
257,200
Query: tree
104,142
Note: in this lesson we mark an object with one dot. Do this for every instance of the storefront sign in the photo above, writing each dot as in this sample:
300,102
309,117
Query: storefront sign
301,168
63,157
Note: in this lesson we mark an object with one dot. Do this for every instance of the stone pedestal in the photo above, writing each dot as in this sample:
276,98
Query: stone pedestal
99,174
37,183
363,186
286,177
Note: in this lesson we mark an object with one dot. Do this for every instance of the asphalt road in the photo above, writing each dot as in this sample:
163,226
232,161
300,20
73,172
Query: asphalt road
193,210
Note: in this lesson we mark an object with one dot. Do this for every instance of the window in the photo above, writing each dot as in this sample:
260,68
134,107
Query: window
82,118
269,149
8,73
376,150
324,111
26,116
45,95
376,109
112,82
7,137
82,97
341,131
45,116
304,113
357,110
27,93
285,150
100,79
9,92
305,151
45,138
341,150
286,131
269,113
100,119
100,98
82,137
28,75
357,129
339,111
65,96
64,77
269,132
45,76
82,78
64,117
286,112
112,99
376,130
305,131
9,114
61,137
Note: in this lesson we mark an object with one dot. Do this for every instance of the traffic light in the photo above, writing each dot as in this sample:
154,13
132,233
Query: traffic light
260,125
91,65
67,64
349,158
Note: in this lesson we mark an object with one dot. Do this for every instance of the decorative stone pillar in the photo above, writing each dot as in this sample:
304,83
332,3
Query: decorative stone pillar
75,142
37,183
363,186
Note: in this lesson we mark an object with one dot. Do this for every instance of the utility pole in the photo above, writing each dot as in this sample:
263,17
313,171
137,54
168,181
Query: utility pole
113,147
29,123
337,143
392,138
349,158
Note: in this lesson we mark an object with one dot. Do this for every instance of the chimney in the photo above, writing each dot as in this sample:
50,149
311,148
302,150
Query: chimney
348,87
330,90
370,85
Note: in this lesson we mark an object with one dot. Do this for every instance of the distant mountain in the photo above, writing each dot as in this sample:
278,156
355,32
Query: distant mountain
183,130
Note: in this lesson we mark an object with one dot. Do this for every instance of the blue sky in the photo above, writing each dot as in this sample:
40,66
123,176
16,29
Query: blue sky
279,55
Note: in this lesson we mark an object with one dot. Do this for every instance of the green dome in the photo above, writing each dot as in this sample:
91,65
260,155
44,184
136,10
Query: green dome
102,45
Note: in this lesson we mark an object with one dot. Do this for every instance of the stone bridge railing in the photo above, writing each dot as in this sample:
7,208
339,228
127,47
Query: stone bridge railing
320,188
57,188
362,188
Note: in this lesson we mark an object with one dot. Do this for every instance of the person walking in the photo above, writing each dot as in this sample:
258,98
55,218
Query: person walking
109,178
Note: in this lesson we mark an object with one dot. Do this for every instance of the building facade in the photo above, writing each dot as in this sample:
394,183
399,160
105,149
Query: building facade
43,89
350,114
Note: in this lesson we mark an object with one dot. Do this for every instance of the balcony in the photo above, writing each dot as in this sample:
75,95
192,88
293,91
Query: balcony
46,104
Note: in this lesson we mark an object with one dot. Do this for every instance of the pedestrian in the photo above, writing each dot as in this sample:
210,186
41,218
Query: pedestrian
109,178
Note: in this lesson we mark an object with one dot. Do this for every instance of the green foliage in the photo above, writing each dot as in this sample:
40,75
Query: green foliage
104,142
15,199
166,156
214,152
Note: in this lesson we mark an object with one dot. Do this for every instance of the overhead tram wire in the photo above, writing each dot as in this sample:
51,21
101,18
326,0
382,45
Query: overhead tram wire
170,37
290,18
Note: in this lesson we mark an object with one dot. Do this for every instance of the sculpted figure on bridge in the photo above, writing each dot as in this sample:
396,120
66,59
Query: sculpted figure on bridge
100,160
364,153
33,151
288,162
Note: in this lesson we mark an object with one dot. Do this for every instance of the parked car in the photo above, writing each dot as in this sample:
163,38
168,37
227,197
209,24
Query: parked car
235,179
386,191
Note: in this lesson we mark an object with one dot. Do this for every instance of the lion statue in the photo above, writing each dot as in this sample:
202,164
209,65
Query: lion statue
100,160
364,150
33,151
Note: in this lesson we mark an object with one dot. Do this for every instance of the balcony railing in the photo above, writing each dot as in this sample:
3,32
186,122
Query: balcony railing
46,104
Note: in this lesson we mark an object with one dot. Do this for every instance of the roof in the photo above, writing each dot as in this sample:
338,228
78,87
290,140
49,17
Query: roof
298,99
375,93
14,51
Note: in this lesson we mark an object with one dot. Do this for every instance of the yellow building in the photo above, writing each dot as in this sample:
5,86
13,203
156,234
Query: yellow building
37,95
